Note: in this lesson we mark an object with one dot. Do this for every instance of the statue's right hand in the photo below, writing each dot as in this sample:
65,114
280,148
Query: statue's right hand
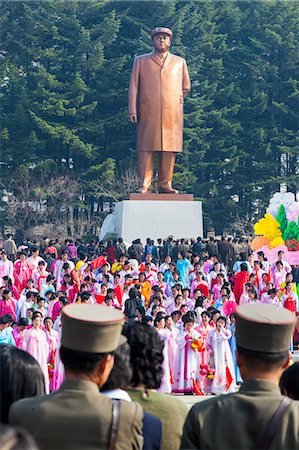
133,118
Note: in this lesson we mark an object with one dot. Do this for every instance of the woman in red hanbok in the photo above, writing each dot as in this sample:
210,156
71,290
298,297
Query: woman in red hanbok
242,277
22,272
290,298
70,288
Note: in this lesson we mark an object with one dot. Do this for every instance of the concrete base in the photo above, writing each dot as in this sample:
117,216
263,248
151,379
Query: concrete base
134,219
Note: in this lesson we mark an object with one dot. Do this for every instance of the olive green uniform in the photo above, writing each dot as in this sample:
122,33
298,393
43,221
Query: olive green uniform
77,416
170,410
239,421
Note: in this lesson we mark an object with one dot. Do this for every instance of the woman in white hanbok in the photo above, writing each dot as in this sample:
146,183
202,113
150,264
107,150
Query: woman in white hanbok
187,359
221,358
164,335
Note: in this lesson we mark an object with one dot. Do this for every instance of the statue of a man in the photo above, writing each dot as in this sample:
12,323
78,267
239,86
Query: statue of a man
159,83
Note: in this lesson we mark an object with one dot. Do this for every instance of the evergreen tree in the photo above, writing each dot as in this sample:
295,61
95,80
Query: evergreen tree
65,69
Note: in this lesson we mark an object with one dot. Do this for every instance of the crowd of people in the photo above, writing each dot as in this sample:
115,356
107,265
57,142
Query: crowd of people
187,290
179,301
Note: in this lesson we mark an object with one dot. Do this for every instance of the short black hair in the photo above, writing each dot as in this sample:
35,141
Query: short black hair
121,375
50,277
48,318
222,318
36,314
20,377
145,320
188,318
4,320
23,322
289,381
262,360
146,355
85,296
80,362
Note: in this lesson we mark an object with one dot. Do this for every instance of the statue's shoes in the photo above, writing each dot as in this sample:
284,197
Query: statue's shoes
143,190
168,190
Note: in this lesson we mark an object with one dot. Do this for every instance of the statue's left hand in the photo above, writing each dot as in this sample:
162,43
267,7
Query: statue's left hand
133,118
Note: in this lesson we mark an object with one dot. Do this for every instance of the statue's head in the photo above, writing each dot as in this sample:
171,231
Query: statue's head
161,38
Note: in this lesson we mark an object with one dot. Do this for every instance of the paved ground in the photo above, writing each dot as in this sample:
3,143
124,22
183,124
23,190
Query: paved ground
189,400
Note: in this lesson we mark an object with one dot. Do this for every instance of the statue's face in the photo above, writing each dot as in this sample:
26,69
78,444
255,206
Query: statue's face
161,42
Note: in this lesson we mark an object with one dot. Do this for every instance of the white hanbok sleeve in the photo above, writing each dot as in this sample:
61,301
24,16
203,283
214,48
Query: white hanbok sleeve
180,339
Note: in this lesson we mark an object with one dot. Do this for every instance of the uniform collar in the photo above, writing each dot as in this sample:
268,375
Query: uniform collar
256,386
155,56
80,385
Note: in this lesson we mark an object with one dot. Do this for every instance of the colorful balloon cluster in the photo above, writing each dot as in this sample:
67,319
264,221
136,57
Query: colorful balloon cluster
280,225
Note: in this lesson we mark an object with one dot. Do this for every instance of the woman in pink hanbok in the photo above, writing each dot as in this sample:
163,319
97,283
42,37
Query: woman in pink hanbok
218,286
7,281
221,358
279,275
21,272
203,329
53,340
245,297
160,282
19,332
164,335
187,359
8,305
252,296
58,375
35,342
171,344
272,298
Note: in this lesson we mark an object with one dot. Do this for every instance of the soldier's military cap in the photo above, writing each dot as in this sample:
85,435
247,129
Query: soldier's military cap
160,30
91,328
264,328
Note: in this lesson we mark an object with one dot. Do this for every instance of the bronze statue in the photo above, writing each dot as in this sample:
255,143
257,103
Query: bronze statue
159,83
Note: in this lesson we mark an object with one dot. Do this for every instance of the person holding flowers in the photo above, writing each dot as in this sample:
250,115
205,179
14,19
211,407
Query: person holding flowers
203,329
221,359
187,357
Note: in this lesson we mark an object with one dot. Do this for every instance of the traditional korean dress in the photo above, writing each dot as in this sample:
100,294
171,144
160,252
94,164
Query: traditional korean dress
53,340
241,279
184,266
203,382
186,363
172,348
58,375
8,307
35,342
18,337
233,347
22,272
164,335
224,380
279,277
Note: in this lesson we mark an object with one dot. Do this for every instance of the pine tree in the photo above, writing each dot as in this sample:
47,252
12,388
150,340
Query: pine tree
282,218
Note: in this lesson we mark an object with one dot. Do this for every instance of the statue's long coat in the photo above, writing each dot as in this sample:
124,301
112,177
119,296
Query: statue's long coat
156,95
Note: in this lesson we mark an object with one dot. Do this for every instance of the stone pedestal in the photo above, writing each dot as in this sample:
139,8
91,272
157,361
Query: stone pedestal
155,216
